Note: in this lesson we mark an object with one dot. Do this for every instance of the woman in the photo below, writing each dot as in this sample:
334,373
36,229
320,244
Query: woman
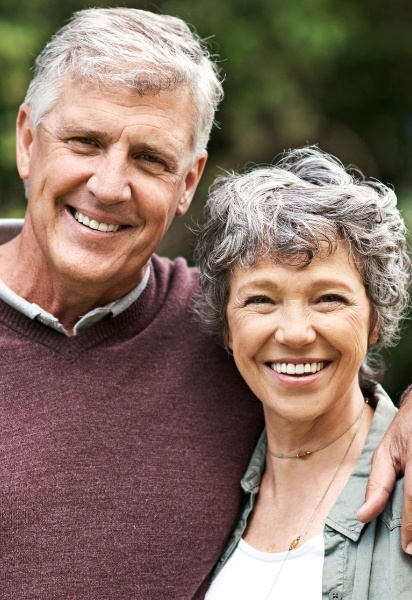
304,273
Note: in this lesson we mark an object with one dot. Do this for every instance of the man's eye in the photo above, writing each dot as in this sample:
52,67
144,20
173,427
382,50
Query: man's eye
150,162
84,141
150,158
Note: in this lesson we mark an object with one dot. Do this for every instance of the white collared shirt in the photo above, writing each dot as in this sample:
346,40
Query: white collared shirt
34,311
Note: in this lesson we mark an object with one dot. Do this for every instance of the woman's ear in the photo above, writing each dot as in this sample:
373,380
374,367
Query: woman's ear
229,341
374,336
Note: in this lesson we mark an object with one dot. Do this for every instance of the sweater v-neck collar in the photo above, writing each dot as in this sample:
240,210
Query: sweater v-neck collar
136,317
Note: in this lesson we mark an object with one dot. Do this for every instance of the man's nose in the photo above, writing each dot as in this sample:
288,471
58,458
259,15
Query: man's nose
295,327
109,182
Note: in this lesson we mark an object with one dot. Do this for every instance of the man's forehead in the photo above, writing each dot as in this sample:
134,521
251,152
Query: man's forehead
88,109
89,97
81,93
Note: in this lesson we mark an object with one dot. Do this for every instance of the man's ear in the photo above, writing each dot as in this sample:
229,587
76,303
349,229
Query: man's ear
191,183
24,141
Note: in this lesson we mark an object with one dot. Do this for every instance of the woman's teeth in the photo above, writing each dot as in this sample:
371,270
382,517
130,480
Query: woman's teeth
300,369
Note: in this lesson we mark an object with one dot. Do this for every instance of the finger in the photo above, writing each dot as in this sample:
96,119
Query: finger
381,480
407,511
376,498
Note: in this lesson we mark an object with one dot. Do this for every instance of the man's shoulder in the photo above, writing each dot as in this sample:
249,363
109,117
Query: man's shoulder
176,273
179,263
9,229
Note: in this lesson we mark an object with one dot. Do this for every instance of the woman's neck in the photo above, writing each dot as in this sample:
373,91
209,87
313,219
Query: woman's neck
297,494
294,436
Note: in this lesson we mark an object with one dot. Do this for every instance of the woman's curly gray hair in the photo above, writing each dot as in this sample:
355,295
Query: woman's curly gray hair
293,210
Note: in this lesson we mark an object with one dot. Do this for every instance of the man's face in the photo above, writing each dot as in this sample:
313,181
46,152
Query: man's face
107,171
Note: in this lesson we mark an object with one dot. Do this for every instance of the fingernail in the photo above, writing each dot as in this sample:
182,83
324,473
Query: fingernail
409,548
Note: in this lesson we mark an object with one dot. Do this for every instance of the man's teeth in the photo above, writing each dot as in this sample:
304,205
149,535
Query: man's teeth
93,224
300,369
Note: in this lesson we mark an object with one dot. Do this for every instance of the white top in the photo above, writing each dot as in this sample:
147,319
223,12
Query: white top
249,574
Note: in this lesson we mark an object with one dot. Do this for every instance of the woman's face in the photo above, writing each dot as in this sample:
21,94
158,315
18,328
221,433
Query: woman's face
299,336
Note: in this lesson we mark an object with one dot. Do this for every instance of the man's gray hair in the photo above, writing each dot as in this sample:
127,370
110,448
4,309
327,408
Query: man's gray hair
126,47
291,212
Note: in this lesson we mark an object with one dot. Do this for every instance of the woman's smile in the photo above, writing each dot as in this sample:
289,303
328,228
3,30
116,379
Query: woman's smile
302,368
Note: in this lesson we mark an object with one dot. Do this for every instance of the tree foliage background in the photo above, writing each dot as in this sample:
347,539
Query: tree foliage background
321,72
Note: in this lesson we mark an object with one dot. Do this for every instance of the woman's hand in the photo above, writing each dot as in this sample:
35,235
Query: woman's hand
391,458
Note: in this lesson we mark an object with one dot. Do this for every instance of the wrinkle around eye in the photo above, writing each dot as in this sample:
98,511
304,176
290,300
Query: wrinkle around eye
332,299
331,305
151,163
258,300
83,144
85,140
259,304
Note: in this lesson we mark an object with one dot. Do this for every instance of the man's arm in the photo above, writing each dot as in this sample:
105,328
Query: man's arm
391,458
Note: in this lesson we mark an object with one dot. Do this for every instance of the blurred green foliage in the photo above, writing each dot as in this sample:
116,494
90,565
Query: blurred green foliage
322,72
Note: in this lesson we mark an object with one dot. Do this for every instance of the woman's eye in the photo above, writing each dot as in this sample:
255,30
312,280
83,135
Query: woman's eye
258,300
332,299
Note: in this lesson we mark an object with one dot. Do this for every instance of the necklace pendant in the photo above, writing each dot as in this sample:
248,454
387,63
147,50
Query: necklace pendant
294,544
303,453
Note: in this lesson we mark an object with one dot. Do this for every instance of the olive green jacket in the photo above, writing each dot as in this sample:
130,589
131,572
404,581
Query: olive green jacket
362,562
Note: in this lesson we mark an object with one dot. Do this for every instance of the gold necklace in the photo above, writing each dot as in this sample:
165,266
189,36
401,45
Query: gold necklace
305,453
295,543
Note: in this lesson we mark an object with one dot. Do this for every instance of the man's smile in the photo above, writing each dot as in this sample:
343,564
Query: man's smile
93,224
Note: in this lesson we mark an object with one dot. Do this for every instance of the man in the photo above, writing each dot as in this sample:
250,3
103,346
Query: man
125,430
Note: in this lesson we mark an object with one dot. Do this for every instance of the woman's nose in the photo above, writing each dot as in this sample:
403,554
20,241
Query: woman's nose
294,327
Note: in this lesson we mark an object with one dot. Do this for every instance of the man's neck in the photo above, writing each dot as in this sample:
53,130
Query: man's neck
67,300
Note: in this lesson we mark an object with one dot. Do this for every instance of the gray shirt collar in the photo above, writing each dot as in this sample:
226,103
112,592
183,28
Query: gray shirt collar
112,309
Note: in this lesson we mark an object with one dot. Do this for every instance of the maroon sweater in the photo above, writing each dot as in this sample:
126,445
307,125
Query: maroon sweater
121,451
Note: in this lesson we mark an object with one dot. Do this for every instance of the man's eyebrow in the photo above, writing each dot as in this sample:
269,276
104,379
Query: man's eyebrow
143,147
149,149
164,153
73,129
